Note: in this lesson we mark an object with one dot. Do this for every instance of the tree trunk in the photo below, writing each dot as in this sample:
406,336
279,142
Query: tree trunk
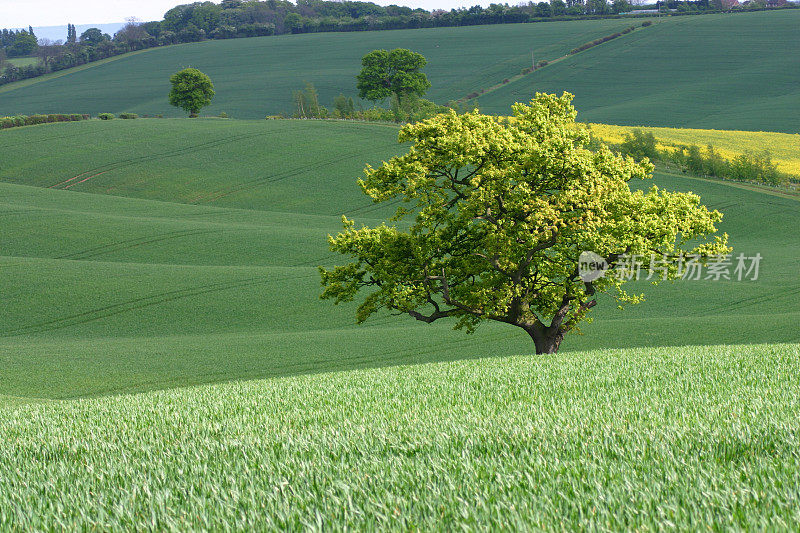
549,344
545,340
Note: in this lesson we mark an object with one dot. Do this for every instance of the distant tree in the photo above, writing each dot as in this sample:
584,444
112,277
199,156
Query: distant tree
639,144
558,7
133,35
306,102
191,34
397,72
30,30
191,90
167,37
24,44
153,28
72,34
620,6
293,22
47,51
344,106
543,9
93,36
597,7
203,15
500,214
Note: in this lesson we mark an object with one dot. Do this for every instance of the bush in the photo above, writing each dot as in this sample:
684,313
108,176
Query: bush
542,63
223,115
639,145
105,116
750,167
757,167
646,23
128,116
31,120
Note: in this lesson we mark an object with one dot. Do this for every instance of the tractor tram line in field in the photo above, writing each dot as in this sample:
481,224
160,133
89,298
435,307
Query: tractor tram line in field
117,165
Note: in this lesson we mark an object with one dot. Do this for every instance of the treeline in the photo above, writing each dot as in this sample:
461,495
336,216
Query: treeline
91,45
408,108
239,18
17,43
749,166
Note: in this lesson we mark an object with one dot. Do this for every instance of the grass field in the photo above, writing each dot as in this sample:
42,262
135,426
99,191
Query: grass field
739,72
166,363
783,147
687,438
255,77
149,254
23,61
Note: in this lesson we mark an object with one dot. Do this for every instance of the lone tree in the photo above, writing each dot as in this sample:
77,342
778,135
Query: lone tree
499,212
191,90
397,72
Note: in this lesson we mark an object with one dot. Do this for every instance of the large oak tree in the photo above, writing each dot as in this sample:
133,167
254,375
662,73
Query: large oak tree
499,211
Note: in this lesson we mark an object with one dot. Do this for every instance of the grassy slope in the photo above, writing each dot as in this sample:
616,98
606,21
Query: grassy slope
23,61
127,290
255,77
715,71
638,439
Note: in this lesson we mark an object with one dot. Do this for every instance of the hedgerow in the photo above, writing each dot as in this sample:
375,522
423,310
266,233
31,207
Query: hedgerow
31,120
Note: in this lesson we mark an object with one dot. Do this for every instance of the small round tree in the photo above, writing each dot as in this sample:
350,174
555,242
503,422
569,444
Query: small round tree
398,72
192,90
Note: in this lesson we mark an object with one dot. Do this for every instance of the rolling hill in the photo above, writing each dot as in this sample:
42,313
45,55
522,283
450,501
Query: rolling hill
155,253
166,363
739,72
255,77
728,71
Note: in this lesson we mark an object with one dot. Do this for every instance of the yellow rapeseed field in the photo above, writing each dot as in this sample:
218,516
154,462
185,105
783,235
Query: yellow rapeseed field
783,147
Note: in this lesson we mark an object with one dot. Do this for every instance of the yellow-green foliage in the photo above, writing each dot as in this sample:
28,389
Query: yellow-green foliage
502,209
783,147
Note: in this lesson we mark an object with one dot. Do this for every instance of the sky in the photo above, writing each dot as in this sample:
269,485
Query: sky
22,13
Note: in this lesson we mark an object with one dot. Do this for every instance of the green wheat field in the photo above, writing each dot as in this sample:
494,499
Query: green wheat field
166,363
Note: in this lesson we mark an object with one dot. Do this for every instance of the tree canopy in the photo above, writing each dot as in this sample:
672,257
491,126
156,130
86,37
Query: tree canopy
191,90
397,72
497,212
94,36
24,44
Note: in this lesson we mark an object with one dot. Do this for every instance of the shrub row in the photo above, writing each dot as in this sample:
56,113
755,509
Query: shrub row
750,167
602,40
30,120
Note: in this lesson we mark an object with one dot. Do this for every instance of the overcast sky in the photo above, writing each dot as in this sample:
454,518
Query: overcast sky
21,13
